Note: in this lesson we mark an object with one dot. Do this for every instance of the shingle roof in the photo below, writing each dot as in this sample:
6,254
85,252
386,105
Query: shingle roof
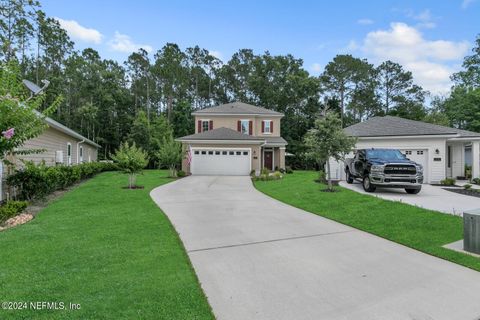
237,108
396,126
220,134
275,140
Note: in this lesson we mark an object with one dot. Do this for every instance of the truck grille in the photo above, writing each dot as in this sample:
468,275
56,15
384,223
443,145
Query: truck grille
400,169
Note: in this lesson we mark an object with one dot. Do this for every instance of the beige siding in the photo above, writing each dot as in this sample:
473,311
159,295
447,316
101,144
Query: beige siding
51,141
231,122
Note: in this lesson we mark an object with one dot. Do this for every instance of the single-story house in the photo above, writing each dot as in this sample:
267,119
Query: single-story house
441,150
61,145
234,139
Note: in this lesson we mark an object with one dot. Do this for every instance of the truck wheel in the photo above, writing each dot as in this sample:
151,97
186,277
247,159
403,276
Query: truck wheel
367,184
413,191
349,177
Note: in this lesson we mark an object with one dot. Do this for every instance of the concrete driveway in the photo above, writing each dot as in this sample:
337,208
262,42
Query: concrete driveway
258,258
431,197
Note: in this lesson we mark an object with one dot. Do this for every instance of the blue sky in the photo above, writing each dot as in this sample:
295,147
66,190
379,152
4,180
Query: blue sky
429,38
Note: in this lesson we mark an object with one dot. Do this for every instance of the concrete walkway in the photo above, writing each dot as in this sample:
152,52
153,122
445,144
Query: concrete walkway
258,258
431,197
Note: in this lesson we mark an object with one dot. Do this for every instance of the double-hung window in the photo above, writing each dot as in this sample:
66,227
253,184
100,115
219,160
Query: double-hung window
245,126
205,125
267,126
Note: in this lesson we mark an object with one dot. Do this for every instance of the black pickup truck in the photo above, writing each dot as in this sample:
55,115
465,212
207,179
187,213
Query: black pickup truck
384,168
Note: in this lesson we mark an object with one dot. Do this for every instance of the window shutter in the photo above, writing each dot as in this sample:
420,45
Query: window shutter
239,126
271,126
210,125
199,126
263,126
250,127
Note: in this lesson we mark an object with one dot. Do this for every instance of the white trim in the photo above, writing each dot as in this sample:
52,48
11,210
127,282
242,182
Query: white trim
250,154
224,141
69,157
409,137
239,114
270,124
248,127
78,151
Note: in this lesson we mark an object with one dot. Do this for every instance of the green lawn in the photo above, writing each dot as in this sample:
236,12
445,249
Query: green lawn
422,229
109,249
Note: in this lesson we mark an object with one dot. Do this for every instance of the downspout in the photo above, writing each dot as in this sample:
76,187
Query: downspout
78,150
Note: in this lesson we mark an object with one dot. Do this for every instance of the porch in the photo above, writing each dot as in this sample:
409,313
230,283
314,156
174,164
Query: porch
462,158
272,158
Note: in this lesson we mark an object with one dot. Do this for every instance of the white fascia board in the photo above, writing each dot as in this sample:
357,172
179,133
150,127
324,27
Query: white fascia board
464,139
222,141
426,136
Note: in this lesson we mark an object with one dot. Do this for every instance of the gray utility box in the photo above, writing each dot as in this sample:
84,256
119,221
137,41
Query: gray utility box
471,231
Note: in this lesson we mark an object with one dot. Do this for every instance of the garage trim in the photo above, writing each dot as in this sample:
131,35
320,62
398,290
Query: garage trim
224,148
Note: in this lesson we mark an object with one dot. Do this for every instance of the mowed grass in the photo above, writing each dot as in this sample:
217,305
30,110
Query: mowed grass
111,250
418,228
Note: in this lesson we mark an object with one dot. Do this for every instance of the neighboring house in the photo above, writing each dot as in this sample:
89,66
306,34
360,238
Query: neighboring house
234,139
443,151
61,145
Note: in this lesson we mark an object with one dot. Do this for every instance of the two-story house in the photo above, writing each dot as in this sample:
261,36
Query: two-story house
234,139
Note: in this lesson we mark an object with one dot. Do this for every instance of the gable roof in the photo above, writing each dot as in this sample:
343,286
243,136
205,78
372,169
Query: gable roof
220,134
237,108
60,127
396,126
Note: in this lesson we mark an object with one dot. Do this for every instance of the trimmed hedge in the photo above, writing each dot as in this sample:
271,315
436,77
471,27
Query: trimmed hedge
37,181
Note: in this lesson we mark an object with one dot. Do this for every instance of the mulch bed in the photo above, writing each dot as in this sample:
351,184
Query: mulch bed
470,192
133,187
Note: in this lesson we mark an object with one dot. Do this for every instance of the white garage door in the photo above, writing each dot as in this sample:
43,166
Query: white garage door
210,161
420,156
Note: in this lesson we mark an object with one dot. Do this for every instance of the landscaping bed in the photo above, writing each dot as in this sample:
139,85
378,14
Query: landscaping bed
418,228
467,192
110,250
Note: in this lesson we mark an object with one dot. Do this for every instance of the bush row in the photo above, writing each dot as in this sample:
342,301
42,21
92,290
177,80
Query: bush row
36,181
11,209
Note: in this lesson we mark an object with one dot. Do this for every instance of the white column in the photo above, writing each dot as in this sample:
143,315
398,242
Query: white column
476,159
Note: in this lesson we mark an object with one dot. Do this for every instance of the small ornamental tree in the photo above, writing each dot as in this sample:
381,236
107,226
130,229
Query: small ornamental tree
19,118
327,140
130,160
170,155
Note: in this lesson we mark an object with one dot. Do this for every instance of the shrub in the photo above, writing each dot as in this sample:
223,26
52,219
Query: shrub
269,176
11,209
448,182
265,171
130,160
252,173
467,186
181,174
476,180
37,181
288,169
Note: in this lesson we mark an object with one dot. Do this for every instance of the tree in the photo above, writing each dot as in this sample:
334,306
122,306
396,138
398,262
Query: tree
327,140
397,92
130,160
344,76
463,108
19,120
170,155
470,76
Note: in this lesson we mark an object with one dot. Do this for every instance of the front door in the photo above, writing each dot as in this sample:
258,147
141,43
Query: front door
268,160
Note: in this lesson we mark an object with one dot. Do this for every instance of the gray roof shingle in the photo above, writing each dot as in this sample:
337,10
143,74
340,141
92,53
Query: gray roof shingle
220,134
237,108
396,126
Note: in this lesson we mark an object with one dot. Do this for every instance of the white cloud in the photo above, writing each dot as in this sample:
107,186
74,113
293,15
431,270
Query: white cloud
216,54
466,3
79,32
425,19
316,67
123,43
365,21
431,61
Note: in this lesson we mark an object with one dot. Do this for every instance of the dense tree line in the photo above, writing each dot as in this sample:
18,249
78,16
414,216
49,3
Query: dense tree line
149,97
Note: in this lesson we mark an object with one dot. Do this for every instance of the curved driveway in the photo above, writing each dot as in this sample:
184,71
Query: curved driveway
257,258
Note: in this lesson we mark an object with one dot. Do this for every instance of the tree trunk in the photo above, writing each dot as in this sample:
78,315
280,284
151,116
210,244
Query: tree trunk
329,177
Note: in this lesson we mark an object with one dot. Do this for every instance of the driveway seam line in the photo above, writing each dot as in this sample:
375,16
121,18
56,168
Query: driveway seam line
272,240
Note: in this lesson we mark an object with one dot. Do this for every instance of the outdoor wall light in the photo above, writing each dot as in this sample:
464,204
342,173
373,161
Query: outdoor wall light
437,151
